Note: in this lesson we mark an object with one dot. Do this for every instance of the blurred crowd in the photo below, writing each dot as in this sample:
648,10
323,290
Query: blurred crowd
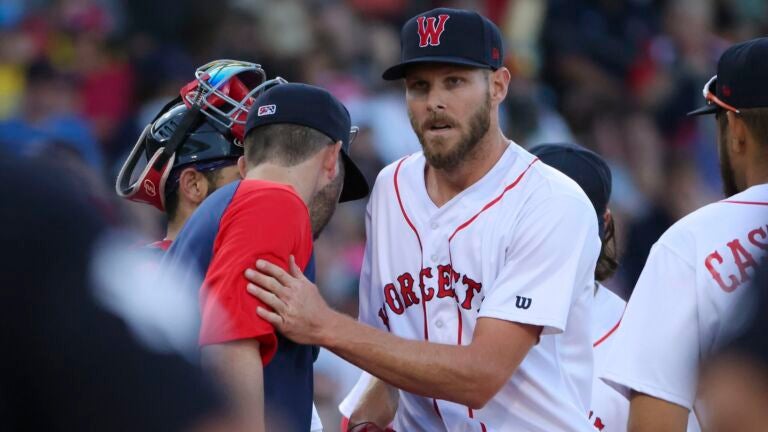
79,79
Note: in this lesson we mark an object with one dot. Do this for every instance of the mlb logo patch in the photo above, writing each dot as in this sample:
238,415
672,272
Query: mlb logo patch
266,110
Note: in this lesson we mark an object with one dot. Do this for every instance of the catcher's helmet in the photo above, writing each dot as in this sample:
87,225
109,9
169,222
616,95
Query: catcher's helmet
204,124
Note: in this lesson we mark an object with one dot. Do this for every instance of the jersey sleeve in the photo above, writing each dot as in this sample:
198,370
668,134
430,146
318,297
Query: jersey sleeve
551,257
269,224
655,350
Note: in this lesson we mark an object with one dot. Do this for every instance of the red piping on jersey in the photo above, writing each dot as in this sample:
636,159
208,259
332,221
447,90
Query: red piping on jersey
472,415
421,250
400,202
607,335
459,313
494,201
418,238
745,202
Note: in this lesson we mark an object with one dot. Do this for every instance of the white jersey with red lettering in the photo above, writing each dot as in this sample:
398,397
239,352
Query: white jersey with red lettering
519,245
690,298
609,410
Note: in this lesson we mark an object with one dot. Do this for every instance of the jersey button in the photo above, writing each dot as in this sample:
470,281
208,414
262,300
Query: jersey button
434,225
439,324
433,258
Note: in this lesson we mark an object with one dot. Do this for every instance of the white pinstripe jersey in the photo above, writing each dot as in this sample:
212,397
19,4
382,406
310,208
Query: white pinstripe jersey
519,245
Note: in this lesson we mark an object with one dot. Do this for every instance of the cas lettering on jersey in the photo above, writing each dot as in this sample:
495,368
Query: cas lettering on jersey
729,265
431,283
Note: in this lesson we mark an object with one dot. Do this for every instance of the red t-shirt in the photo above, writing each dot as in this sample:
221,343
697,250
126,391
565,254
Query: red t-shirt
264,220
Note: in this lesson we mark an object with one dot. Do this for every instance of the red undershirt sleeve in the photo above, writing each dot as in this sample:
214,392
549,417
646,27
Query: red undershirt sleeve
269,223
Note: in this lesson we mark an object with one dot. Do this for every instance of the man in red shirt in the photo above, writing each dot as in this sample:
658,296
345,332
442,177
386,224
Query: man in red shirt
296,168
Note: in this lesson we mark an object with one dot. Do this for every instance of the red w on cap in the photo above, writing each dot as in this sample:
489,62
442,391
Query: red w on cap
430,29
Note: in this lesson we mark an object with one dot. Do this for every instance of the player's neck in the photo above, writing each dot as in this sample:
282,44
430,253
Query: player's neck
173,230
295,177
183,212
443,185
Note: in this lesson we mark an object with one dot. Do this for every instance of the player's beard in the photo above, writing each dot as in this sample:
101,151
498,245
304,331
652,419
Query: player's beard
324,203
449,159
727,173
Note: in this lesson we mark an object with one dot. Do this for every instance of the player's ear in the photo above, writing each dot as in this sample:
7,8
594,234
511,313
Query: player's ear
193,186
498,83
331,159
241,166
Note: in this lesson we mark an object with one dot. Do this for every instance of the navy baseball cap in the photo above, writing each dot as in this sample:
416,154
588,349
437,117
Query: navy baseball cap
451,36
583,166
316,108
740,81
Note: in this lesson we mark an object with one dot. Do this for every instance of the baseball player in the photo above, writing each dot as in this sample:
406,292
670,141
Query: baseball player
478,277
205,150
592,174
206,157
687,300
295,169
609,410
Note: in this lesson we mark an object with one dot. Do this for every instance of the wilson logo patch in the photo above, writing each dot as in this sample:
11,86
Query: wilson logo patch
522,302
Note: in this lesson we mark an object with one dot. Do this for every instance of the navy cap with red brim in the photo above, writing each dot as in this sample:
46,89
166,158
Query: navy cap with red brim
355,185
397,71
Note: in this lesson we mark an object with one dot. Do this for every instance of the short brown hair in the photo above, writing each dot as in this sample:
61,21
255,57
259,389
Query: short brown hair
285,144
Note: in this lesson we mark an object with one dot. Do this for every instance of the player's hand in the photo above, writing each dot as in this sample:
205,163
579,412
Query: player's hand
298,310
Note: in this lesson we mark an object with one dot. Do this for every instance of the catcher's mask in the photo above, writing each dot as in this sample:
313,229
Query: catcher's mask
205,124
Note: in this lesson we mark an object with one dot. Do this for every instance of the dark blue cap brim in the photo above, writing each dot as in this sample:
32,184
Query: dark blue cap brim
355,186
707,109
397,71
